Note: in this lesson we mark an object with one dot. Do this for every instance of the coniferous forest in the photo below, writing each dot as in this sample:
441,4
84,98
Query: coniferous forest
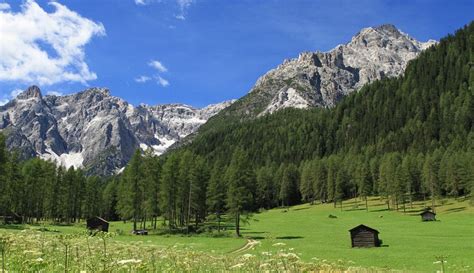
404,139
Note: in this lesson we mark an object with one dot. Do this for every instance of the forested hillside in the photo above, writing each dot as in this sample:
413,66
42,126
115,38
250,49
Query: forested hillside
403,139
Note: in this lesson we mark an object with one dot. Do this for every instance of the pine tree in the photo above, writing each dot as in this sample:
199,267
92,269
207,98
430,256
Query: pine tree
307,182
168,189
131,190
289,186
216,193
240,180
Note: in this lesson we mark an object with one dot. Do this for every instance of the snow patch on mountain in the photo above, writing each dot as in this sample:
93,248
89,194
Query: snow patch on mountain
66,160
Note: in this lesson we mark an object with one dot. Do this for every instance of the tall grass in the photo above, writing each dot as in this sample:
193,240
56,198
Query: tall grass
34,251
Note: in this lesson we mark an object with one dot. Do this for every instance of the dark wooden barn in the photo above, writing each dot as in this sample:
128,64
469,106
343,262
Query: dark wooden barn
12,218
428,215
364,236
97,223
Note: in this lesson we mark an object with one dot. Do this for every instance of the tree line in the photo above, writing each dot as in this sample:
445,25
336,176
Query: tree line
38,190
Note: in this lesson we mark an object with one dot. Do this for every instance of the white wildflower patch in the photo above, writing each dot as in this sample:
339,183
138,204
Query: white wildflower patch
289,255
247,256
129,261
239,265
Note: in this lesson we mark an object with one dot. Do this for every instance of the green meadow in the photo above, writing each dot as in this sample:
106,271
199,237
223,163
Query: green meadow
308,232
408,243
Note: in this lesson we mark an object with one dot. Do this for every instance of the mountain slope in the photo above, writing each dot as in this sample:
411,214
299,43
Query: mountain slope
429,107
93,129
321,79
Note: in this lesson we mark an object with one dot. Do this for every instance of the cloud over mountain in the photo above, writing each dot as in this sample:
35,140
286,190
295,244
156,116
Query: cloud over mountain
45,48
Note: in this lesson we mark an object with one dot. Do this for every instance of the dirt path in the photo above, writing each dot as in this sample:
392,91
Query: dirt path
248,246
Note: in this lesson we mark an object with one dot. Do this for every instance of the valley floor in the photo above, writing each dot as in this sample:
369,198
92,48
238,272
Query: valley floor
307,232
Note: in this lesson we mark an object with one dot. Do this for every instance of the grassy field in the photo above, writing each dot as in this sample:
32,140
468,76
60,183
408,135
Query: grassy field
308,232
408,243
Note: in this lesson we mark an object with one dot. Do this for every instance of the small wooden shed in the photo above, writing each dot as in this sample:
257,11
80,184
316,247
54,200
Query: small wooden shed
97,223
12,218
364,236
428,215
140,232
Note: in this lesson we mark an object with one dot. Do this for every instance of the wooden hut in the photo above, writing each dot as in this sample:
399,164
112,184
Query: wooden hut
12,218
428,215
364,236
97,223
140,232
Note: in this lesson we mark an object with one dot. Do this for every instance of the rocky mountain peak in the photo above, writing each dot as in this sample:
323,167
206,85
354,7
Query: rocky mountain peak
31,92
388,28
94,91
321,79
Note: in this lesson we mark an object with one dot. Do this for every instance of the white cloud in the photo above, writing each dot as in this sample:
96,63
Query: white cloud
158,66
142,79
183,6
160,69
25,34
4,6
162,81
54,93
15,93
6,98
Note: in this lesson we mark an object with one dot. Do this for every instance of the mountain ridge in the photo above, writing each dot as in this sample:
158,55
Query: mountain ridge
81,128
321,79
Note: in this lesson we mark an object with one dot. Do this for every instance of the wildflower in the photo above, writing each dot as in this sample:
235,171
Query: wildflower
247,256
289,255
237,266
130,261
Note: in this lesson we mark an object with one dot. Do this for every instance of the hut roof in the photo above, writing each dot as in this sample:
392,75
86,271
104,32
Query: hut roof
364,227
427,212
100,218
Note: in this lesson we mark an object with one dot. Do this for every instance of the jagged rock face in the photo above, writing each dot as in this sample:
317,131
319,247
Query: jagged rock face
93,129
321,79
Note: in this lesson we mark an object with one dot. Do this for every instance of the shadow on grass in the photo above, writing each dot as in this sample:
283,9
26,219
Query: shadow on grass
354,209
256,237
300,208
289,237
256,232
16,227
378,210
458,209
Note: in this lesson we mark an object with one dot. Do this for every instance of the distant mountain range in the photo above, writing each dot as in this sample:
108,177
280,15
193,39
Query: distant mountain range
99,132
94,130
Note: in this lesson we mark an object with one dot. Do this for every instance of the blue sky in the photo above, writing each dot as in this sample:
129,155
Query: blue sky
190,51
